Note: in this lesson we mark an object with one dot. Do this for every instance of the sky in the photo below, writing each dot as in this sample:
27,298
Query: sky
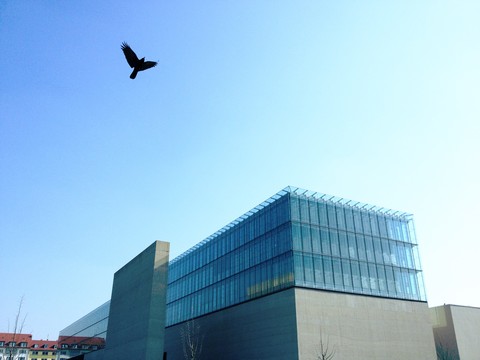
373,101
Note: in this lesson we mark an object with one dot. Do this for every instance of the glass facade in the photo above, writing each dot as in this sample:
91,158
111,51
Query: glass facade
298,238
92,325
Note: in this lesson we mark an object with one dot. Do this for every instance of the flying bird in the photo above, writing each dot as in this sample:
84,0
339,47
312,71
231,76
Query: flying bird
134,62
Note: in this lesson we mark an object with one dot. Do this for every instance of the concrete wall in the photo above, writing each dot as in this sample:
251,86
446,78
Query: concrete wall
262,329
136,322
466,321
457,330
362,327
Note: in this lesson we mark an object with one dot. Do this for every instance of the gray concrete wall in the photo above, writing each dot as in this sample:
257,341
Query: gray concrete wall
262,329
362,327
457,330
136,322
466,321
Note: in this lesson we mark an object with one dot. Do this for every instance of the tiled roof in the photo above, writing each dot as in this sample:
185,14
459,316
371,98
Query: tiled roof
43,344
18,338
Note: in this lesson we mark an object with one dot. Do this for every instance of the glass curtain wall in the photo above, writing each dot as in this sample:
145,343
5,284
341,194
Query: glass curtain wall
297,238
92,325
350,249
249,258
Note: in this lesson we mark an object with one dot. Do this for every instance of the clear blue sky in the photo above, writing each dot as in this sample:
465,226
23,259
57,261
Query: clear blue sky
374,101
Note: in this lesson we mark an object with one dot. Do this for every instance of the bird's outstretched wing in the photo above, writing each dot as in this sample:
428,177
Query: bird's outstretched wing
131,57
147,65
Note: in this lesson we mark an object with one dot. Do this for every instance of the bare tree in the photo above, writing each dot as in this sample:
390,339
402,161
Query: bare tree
324,350
446,353
192,340
17,329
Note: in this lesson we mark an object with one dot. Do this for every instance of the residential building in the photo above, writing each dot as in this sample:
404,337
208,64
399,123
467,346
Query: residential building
14,346
22,347
42,350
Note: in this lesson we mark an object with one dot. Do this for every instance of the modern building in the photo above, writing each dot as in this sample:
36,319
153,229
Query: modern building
301,275
301,271
456,330
84,335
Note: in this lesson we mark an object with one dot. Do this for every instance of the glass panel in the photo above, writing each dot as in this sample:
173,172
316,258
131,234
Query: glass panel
372,269
369,248
296,236
317,264
308,266
337,274
357,220
332,221
382,280
347,275
383,226
322,213
299,274
349,219
328,272
366,223
342,238
378,250
352,246
306,239
325,239
312,206
334,243
365,277
390,280
316,244
340,218
357,284
295,208
374,225
304,213
362,255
